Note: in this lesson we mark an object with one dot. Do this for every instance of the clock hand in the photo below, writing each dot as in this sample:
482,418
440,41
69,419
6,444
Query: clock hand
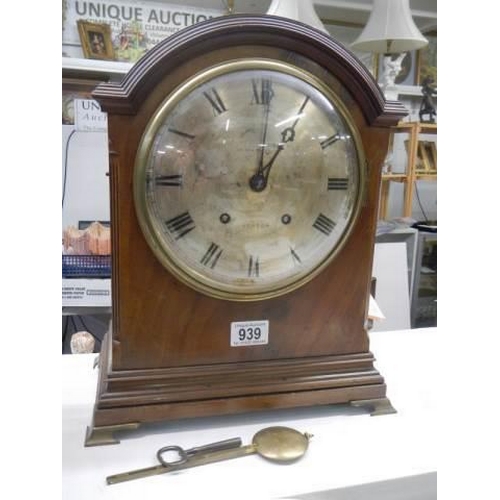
288,134
258,181
264,135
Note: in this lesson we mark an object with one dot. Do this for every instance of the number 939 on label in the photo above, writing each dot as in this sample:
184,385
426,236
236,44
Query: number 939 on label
246,333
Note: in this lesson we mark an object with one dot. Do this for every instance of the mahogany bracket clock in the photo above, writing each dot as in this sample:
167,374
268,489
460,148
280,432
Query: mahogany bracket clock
245,158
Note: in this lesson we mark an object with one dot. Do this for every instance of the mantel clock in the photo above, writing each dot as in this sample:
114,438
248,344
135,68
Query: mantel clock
245,156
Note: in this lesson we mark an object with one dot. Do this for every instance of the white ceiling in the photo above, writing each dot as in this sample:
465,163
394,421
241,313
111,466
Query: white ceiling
347,11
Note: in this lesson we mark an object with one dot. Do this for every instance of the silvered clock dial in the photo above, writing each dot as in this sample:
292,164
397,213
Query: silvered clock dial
248,179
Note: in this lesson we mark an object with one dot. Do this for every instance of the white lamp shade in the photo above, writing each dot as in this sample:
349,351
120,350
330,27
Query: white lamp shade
299,10
390,29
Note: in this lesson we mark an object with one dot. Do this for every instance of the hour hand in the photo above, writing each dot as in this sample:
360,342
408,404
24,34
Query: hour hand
258,181
288,134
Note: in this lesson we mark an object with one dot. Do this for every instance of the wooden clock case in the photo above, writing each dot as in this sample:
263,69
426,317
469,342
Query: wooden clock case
168,355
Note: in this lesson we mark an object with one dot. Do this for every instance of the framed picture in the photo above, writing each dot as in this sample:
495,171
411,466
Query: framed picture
426,157
96,40
427,59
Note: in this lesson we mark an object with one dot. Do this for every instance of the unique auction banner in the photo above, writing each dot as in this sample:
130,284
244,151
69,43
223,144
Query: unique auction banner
89,117
136,26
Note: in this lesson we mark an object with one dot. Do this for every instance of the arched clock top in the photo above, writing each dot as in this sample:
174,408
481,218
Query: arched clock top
127,96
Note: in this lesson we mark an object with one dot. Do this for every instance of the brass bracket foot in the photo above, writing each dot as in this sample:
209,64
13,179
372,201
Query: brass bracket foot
380,406
97,436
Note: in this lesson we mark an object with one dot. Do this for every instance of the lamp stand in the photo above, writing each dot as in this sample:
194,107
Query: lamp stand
391,69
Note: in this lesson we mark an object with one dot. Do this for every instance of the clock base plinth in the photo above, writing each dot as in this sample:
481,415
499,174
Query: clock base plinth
97,436
128,398
380,406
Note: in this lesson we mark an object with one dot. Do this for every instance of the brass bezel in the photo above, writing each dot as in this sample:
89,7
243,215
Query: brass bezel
168,258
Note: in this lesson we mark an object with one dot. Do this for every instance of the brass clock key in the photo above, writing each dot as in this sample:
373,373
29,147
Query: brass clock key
278,444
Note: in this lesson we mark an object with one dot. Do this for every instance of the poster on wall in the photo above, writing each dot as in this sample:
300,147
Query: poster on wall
136,26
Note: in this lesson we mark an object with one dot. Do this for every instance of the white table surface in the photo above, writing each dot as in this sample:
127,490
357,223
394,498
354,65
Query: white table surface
349,448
